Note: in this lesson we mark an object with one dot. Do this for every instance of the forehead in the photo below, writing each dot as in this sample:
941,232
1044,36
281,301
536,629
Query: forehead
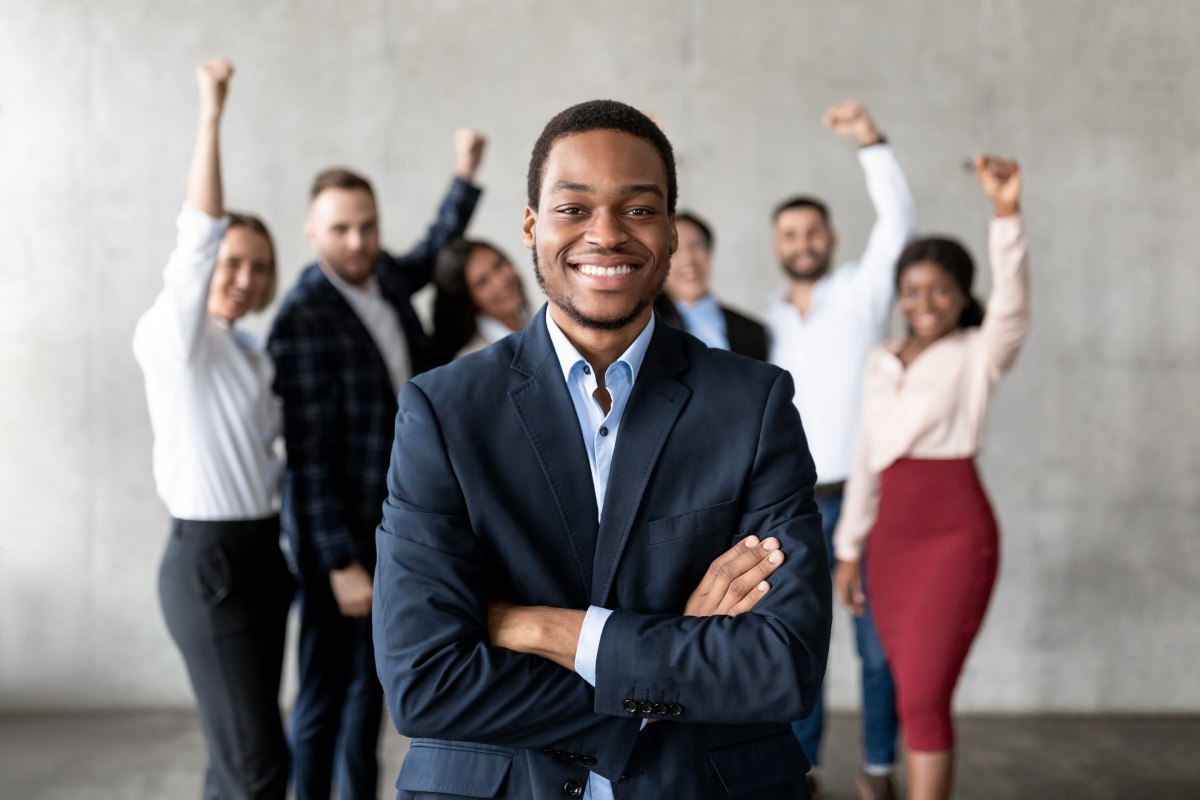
687,229
343,204
926,272
603,162
482,257
803,217
242,242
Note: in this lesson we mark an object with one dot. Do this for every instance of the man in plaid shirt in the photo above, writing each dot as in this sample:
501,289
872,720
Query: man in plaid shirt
345,339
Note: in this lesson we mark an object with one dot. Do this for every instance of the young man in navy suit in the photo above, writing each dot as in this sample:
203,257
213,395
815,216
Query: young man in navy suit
601,571
345,340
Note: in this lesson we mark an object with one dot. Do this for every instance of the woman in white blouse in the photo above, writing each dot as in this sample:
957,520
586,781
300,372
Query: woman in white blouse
479,300
915,512
223,583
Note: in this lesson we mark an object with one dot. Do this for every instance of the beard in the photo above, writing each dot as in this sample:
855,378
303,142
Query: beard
820,265
573,311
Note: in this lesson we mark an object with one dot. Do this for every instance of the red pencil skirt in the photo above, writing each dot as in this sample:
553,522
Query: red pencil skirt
932,558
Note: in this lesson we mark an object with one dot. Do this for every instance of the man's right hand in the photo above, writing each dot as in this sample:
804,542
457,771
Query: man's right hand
849,118
212,78
736,579
352,590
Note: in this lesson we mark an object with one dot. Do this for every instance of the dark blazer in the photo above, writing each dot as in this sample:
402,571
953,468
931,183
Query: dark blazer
338,400
490,496
746,337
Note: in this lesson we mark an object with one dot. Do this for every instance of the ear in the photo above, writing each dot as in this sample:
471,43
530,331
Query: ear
674,236
527,226
310,230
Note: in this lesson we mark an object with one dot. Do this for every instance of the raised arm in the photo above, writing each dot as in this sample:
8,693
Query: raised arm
895,212
455,211
174,324
859,509
1007,319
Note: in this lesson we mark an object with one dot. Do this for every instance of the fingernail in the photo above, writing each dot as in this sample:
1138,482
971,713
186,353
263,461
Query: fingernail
751,540
775,557
771,544
763,586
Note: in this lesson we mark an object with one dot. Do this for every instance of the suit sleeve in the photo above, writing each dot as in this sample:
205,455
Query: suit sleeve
305,381
766,664
451,223
440,674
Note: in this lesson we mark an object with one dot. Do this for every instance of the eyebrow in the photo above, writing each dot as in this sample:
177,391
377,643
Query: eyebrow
587,188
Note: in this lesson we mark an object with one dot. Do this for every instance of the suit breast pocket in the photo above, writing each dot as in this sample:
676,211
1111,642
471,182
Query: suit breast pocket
437,769
707,521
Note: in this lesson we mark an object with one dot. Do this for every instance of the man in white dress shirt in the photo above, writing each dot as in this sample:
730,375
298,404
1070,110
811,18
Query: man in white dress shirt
823,324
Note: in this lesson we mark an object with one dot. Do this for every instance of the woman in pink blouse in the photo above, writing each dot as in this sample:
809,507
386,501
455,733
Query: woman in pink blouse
914,502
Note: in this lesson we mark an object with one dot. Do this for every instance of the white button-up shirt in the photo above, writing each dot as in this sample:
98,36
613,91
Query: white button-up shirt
380,319
825,351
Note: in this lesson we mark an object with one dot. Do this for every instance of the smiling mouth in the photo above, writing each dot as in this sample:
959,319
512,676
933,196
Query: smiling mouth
605,272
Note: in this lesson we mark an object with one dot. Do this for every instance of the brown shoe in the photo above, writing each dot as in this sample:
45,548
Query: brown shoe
814,790
874,787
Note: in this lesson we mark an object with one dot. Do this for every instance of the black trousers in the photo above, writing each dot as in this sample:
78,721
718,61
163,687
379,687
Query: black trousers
225,591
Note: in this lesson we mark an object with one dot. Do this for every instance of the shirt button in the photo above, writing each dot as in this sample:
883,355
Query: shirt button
573,788
587,370
603,430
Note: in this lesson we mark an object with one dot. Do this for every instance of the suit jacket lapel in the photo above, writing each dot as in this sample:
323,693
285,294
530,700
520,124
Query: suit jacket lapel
654,406
543,405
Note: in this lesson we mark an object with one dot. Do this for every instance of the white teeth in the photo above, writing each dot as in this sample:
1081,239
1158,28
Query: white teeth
605,272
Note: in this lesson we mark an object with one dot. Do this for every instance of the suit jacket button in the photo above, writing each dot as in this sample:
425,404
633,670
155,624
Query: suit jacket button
660,708
630,705
675,709
573,788
646,707
588,761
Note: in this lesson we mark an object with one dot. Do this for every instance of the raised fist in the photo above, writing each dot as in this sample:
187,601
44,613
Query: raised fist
1001,182
850,119
468,152
212,78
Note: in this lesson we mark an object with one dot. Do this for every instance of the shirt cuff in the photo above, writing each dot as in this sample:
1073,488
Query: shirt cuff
589,642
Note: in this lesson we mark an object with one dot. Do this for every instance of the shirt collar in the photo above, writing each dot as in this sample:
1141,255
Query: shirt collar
569,357
370,288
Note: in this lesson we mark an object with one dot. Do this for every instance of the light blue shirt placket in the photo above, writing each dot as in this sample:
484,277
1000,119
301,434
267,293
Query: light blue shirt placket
599,431
705,320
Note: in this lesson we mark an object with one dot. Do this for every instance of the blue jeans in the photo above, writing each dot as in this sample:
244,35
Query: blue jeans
878,692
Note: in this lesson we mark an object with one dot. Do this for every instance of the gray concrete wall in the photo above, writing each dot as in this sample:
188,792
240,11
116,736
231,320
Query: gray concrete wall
1093,455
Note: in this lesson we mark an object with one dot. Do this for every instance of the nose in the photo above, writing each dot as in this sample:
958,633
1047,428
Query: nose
606,230
241,278
354,239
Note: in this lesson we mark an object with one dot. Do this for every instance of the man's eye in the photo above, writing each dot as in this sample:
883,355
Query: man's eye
639,212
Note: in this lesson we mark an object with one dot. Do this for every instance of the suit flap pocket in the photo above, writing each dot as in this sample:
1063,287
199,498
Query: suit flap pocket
462,768
693,523
750,766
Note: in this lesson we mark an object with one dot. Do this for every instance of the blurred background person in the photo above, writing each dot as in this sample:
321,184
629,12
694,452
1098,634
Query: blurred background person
914,500
224,584
479,299
345,339
687,302
823,325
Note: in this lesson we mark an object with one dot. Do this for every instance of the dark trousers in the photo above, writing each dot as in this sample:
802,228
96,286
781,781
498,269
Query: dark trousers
225,590
339,703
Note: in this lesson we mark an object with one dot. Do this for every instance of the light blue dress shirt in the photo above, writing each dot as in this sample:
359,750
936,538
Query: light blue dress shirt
705,321
599,431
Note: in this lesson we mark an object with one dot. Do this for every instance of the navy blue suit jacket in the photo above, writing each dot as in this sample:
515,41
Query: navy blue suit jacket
338,401
490,496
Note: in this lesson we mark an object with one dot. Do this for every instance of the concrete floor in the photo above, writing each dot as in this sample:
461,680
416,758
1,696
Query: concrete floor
160,756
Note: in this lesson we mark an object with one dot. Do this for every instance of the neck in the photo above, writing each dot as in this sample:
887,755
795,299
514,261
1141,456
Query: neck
513,321
800,295
600,348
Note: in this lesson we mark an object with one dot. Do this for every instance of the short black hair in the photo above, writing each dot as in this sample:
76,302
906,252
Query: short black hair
599,115
802,201
705,231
